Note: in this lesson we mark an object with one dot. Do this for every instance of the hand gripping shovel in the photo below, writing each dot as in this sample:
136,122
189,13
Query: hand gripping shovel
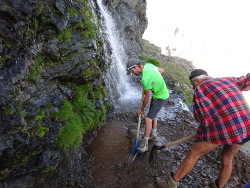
151,154
134,155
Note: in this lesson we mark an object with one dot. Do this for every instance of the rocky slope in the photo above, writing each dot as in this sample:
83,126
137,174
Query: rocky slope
52,90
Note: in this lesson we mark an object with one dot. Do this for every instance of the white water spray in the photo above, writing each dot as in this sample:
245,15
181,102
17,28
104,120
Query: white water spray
116,79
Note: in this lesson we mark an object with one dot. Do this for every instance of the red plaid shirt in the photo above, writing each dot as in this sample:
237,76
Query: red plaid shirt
221,110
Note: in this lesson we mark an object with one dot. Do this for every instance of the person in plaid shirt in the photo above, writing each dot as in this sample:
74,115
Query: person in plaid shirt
224,118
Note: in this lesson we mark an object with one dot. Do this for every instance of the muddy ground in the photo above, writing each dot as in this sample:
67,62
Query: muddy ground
111,169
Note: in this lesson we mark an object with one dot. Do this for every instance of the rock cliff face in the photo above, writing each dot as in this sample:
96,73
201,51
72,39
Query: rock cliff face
52,91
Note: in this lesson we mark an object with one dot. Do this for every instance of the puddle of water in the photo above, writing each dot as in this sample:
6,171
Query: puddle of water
110,147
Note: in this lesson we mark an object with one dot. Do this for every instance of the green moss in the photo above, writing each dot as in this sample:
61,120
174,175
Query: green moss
65,35
70,136
48,106
79,26
47,169
40,115
78,115
22,113
3,59
51,63
9,111
89,72
36,23
8,45
40,130
72,13
36,68
89,26
25,158
178,75
29,101
151,60
40,9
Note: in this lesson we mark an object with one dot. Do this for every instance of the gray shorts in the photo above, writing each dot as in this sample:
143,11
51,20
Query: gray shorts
155,107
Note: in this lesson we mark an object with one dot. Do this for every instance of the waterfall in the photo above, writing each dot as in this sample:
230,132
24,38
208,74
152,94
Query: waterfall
120,91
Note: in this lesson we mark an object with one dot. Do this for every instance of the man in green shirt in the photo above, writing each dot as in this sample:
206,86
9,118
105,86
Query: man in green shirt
153,81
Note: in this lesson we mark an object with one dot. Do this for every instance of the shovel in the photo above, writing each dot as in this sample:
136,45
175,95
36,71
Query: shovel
151,154
134,155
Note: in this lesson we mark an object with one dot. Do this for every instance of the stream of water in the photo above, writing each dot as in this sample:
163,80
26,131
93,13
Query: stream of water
120,90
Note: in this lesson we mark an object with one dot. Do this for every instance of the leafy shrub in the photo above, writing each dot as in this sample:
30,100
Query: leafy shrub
151,60
79,116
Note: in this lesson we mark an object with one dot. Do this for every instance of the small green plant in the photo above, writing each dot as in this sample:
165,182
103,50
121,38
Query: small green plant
151,60
3,59
64,35
89,26
36,23
8,44
51,63
40,115
26,158
40,130
48,169
79,115
37,68
22,113
9,111
29,101
72,13
48,106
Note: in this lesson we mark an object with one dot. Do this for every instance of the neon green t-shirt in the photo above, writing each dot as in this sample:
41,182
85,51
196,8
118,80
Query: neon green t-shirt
152,80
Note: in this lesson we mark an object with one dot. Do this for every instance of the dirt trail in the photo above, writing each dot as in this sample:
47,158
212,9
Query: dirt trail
110,147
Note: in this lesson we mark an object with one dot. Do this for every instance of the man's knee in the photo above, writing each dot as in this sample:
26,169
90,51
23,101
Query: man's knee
194,153
228,153
147,119
201,148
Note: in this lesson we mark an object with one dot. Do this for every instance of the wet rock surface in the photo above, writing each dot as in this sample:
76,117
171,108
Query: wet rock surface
142,174
45,46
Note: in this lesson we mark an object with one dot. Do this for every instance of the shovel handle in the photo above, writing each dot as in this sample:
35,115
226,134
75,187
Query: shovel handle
138,127
139,120
178,141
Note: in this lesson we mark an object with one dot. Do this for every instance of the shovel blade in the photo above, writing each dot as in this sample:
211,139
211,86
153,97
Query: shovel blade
151,154
134,157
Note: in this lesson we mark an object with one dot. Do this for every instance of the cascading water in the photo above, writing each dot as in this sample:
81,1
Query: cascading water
120,90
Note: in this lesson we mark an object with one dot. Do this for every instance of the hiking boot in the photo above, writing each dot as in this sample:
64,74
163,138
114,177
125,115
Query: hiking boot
213,185
167,183
143,146
153,136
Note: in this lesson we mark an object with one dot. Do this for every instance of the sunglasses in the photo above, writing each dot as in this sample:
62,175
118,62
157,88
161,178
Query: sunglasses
131,67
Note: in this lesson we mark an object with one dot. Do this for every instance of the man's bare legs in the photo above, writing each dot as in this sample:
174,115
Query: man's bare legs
149,125
227,157
154,123
200,149
195,152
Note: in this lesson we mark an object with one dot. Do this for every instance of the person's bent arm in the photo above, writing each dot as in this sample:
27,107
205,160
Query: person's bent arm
144,102
161,70
244,82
